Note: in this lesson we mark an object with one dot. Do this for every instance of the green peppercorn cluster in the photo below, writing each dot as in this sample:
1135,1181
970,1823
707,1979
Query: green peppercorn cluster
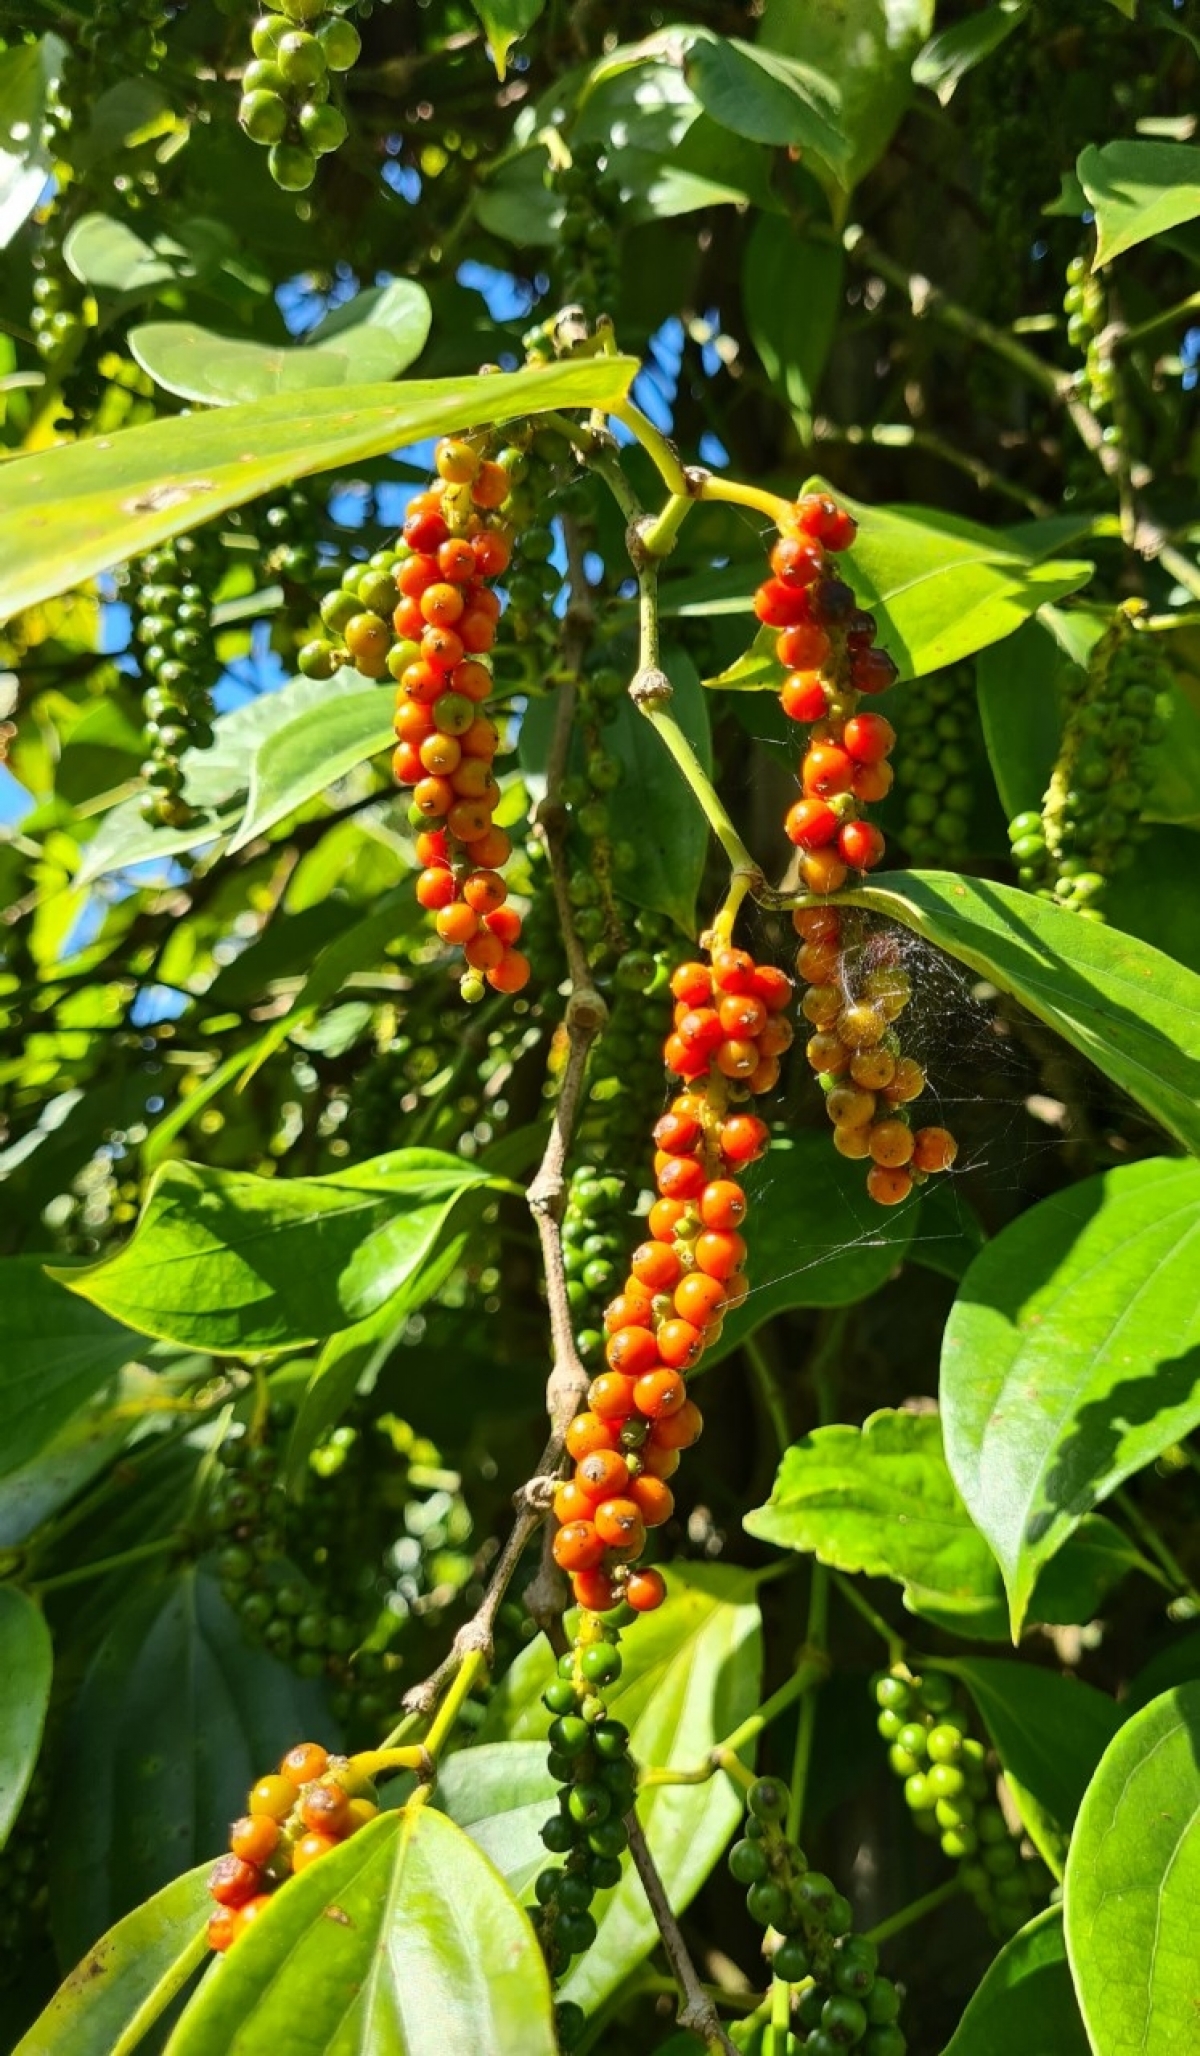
842,2002
541,464
941,752
60,312
1090,823
595,1231
285,102
1085,308
312,1580
170,598
24,1883
131,27
948,1787
589,233
360,608
589,1755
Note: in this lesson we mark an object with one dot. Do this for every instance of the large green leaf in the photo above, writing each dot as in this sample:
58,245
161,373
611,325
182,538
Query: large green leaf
1049,1732
1072,1357
764,96
361,943
26,1668
1026,2001
81,507
28,71
109,256
310,753
791,297
1139,190
865,48
55,1351
375,336
502,1794
666,841
402,1942
692,1674
814,1243
1133,1884
881,1500
1128,1008
124,1983
950,54
177,1716
227,1261
504,21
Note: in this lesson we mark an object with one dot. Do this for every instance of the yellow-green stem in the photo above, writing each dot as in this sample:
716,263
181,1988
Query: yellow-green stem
815,1637
661,453
909,1915
663,721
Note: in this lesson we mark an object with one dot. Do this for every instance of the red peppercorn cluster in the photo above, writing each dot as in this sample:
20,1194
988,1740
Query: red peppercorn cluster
314,1802
728,1035
855,990
827,645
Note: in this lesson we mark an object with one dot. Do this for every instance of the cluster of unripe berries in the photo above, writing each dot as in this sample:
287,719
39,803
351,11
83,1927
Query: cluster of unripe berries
285,89
1090,821
589,1755
170,600
312,1803
948,1788
826,643
843,2003
854,992
939,755
426,613
682,1281
1084,307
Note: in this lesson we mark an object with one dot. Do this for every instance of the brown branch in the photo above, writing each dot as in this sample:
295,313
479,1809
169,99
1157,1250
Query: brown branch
697,2011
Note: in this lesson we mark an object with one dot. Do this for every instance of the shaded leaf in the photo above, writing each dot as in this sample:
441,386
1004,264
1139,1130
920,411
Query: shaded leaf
81,507
667,840
109,256
1133,1883
1072,1357
227,1261
504,21
55,1352
763,96
129,1976
1026,2000
949,55
404,1941
1138,190
26,1669
375,336
791,297
865,49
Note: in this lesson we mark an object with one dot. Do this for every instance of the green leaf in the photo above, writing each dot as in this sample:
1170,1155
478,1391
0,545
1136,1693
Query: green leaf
308,754
55,1352
108,256
177,1716
224,1260
813,1243
947,57
82,507
1049,1732
1026,2000
402,1940
692,1674
215,780
1133,1884
865,49
1126,1007
763,96
28,71
669,839
31,1494
361,944
127,1980
881,1500
375,336
1139,190
1177,1664
504,21
1071,1357
26,1669
502,1793
791,298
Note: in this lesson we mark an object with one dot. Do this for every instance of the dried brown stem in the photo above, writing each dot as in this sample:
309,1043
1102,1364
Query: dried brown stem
697,2011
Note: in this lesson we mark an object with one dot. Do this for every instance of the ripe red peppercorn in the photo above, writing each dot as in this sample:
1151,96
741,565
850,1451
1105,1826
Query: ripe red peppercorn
869,738
810,824
578,1547
861,844
781,606
827,770
803,696
645,1590
797,560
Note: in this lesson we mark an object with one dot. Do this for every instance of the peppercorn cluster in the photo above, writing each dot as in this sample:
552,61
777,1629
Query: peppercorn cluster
941,749
170,600
843,2003
425,612
589,1755
854,991
301,1812
826,644
949,1789
1090,821
285,102
1087,321
727,1037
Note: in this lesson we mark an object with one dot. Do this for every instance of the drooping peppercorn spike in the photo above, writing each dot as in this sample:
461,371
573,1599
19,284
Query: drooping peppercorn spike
826,644
285,103
844,2002
855,989
950,1792
301,1812
426,613
728,1036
